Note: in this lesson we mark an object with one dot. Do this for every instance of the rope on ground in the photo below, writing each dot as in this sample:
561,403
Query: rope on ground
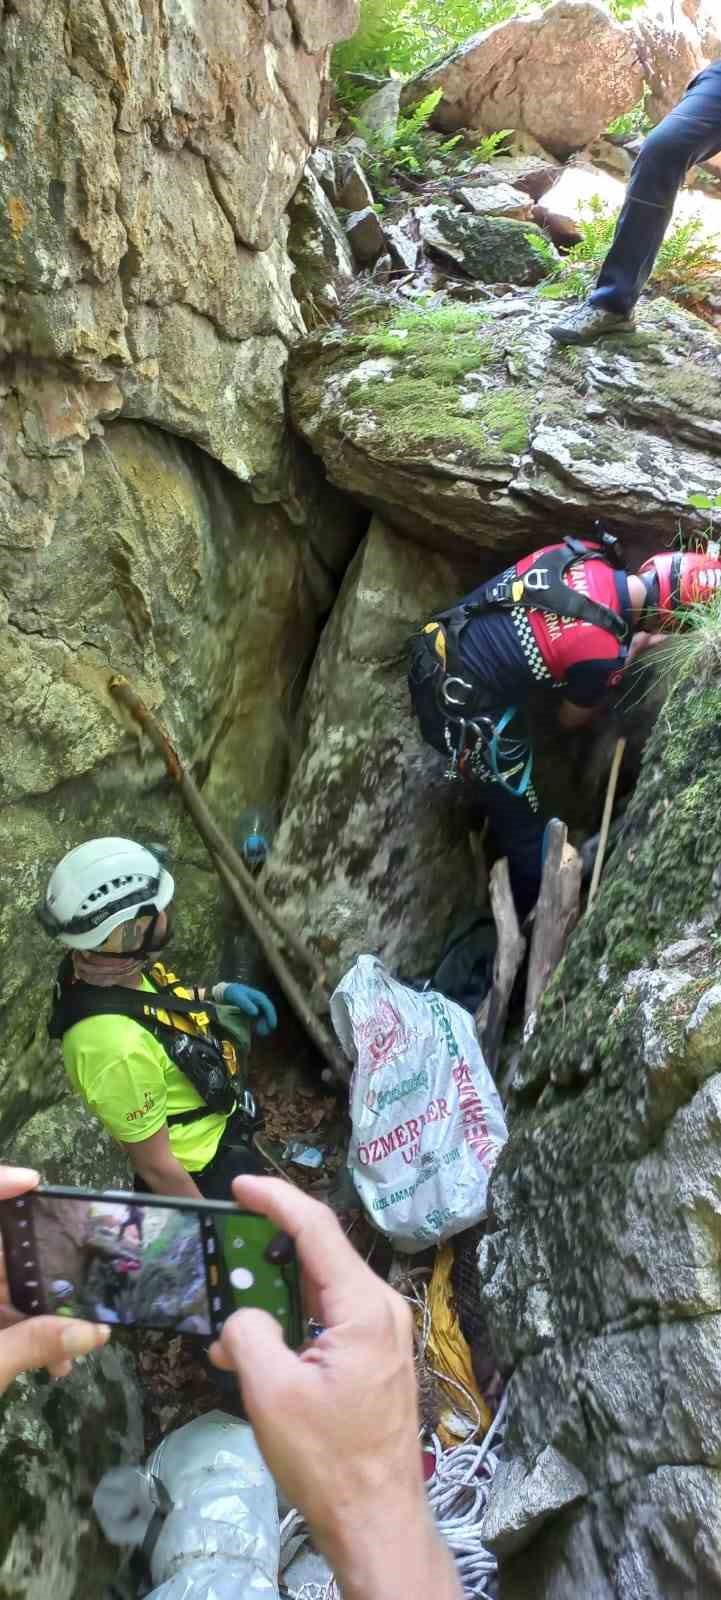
458,1490
458,1495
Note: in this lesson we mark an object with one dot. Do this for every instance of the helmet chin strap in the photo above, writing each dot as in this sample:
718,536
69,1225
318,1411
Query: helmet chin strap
650,604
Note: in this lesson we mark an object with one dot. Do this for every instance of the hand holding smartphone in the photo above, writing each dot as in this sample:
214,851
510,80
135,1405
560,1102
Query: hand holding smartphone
147,1262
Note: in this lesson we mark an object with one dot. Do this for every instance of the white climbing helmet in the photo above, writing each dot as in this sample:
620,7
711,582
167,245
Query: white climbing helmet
100,884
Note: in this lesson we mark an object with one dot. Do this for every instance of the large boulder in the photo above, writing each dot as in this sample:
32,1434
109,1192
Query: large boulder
56,1441
561,74
675,42
600,1269
370,854
158,564
467,424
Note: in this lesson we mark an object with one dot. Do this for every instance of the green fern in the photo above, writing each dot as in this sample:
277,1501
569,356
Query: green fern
687,267
491,145
405,147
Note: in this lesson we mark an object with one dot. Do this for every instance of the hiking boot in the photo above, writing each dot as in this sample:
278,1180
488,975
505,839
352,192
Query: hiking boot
587,323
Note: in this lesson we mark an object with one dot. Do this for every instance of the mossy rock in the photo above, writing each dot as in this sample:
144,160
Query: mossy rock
56,1441
600,1272
467,424
488,249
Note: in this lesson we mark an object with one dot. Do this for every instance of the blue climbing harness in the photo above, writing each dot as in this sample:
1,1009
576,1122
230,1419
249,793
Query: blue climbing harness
510,750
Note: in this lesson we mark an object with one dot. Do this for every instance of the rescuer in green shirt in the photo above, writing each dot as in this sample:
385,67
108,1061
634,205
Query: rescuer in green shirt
163,1075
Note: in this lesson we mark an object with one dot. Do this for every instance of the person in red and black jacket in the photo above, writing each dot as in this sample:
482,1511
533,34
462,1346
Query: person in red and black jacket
565,619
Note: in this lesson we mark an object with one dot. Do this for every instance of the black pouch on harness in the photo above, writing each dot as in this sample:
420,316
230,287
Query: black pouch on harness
209,1063
437,697
425,677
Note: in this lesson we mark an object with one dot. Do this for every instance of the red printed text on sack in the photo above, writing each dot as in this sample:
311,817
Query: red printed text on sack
406,1136
473,1117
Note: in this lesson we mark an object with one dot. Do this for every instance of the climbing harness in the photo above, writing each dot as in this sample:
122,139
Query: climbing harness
204,1040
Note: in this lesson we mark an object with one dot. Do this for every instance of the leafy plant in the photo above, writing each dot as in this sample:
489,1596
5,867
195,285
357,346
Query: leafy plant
706,502
491,145
689,261
623,9
572,276
712,504
406,147
686,266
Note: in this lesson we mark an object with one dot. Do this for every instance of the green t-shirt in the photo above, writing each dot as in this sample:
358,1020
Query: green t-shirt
126,1078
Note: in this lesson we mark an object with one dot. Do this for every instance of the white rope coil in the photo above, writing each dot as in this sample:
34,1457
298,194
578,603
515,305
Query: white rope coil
458,1491
458,1495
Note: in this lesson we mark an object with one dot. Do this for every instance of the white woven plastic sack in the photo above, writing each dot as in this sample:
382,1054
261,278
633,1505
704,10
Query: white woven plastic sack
427,1120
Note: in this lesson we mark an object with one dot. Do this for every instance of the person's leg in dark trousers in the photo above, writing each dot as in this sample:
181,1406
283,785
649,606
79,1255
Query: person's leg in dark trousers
517,830
690,133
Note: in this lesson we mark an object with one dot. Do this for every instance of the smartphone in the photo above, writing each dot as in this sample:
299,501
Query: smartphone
146,1261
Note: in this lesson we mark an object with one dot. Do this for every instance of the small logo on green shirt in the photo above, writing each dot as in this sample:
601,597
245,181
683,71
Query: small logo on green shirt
141,1111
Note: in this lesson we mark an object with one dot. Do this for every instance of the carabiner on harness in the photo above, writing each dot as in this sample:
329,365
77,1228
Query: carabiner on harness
454,700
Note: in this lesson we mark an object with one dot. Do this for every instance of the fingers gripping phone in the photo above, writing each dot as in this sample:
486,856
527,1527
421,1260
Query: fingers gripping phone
146,1262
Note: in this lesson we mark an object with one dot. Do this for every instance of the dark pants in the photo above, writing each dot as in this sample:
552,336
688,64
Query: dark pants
515,821
232,1159
690,133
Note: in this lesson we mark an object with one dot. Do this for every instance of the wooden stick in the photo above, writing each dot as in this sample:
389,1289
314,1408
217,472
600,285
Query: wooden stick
556,913
238,883
613,777
315,1029
213,838
511,948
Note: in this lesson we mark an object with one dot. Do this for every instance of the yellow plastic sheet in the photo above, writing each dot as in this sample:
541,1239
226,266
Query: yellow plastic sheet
448,1352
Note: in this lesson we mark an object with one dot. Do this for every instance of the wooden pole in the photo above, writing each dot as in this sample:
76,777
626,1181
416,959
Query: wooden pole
260,916
556,912
606,820
213,838
511,948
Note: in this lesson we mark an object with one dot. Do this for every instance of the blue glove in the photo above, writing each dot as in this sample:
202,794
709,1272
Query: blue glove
250,1001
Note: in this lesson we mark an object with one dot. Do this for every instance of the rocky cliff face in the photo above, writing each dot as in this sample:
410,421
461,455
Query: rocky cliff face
600,1270
155,518
166,248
